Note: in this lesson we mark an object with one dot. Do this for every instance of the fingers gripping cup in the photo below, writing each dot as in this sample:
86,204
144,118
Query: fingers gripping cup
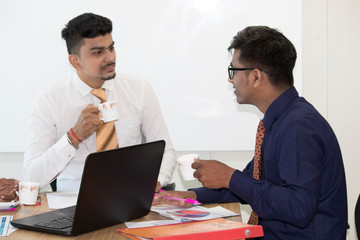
184,164
28,192
109,111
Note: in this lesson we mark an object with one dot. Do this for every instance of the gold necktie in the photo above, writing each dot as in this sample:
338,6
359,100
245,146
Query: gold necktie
106,138
254,218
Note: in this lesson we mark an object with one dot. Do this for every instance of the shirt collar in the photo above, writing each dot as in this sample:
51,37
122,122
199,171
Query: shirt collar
278,106
84,89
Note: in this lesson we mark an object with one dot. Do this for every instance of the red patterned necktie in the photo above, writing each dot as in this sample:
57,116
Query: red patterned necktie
106,138
254,218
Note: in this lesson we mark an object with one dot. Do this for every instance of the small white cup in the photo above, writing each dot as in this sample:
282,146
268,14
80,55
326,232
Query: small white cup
28,192
109,111
184,164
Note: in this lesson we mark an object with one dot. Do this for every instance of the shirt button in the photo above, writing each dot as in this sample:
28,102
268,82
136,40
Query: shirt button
69,156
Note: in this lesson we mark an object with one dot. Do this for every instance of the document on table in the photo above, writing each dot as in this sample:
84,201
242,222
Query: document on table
195,213
57,200
149,223
5,227
182,215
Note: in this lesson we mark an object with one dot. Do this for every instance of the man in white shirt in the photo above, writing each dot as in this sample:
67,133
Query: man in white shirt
64,118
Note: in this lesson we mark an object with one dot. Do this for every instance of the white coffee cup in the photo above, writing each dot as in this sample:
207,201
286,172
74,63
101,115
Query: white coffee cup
184,164
109,111
28,192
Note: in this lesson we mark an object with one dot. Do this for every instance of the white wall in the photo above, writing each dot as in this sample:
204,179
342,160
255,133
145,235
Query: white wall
331,64
330,82
343,90
178,46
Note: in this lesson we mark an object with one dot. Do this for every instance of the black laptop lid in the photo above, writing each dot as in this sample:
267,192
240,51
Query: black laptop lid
117,186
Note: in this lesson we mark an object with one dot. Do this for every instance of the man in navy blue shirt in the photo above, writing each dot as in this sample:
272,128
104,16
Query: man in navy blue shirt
302,191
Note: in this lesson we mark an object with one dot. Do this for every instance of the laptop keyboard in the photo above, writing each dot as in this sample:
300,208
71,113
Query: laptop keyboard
59,223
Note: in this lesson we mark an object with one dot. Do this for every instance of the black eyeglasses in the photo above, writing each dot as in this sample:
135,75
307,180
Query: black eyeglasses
231,71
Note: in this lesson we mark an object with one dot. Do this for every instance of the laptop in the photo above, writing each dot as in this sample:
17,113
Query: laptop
116,186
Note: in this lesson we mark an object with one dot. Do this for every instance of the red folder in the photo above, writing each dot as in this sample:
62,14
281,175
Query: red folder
214,229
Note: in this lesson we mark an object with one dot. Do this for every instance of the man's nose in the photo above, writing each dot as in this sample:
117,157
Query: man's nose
110,54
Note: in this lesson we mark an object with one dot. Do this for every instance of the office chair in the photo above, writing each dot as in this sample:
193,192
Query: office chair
169,187
357,217
53,185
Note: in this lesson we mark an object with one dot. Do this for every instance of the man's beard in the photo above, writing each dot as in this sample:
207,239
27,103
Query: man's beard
109,77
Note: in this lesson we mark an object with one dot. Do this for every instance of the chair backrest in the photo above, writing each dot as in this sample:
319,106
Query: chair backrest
169,187
357,217
53,185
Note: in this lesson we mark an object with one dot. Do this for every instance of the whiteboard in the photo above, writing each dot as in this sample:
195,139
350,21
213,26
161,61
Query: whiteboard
179,46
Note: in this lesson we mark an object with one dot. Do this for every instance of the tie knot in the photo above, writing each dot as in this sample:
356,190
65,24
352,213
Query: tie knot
99,93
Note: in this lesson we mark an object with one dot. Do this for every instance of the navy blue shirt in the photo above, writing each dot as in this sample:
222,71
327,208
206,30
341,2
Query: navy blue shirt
302,194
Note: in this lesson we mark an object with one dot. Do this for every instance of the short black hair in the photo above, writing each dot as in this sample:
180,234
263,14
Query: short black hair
268,49
87,25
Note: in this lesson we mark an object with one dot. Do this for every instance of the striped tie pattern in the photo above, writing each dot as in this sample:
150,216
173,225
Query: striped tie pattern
254,218
106,138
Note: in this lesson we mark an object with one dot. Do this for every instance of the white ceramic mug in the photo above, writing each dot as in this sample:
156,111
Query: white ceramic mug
28,192
109,111
184,164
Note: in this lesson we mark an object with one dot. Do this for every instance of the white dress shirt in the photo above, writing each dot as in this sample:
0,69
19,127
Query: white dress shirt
48,154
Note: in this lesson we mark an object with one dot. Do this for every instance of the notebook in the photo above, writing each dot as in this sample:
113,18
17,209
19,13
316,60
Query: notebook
116,186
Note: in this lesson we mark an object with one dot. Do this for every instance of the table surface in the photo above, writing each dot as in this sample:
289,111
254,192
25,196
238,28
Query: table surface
105,233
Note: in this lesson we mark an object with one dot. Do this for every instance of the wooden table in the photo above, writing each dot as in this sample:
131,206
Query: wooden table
105,233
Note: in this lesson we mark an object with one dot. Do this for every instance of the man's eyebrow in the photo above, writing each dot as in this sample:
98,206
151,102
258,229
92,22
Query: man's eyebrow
99,48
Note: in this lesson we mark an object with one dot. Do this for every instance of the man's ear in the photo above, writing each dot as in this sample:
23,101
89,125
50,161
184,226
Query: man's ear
75,61
256,77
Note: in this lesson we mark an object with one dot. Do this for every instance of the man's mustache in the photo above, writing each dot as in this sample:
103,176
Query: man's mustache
108,65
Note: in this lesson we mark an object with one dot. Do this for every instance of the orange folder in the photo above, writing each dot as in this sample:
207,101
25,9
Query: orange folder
213,229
